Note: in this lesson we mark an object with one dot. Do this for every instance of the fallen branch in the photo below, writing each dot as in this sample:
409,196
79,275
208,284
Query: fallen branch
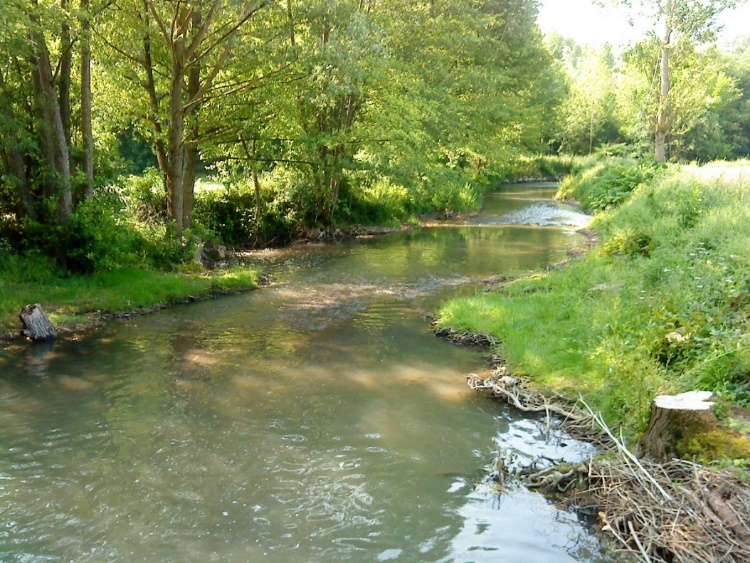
676,511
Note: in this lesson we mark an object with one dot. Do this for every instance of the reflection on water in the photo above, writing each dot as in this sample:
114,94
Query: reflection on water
315,420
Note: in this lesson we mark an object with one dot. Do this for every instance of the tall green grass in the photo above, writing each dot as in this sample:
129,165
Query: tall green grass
661,305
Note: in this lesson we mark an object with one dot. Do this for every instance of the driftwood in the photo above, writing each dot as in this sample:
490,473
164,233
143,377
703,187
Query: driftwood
516,391
37,325
672,418
657,511
465,338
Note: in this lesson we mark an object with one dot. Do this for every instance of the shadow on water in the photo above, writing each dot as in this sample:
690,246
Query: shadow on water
315,420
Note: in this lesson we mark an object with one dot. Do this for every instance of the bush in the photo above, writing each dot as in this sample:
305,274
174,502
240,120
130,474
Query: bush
228,214
608,183
144,196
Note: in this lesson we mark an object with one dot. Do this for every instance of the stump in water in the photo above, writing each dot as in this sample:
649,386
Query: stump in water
38,326
675,418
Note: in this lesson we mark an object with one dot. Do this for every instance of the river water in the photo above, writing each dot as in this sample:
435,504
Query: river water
314,420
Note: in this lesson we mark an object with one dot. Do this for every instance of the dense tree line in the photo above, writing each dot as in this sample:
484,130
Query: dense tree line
324,112
673,95
314,103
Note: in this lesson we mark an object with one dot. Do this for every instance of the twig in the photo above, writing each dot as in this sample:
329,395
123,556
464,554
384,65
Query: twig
638,542
625,451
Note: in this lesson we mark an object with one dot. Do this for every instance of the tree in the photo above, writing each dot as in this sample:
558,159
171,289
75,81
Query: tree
681,20
176,50
589,110
700,94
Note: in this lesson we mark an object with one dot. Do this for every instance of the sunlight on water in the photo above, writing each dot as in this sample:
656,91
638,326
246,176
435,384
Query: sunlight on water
314,420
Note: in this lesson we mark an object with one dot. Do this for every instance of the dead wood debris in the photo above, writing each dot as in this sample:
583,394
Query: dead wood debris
465,338
661,512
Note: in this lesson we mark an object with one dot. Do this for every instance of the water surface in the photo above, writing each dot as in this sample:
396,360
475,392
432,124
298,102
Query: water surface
314,420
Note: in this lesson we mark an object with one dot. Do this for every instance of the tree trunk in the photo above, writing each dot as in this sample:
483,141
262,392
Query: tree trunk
37,326
20,180
191,146
13,157
662,115
673,418
159,146
86,128
256,185
290,20
66,65
52,132
175,147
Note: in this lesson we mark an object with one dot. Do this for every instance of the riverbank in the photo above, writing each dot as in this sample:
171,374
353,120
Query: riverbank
659,306
75,303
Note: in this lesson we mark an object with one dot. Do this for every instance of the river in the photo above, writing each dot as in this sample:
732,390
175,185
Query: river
317,419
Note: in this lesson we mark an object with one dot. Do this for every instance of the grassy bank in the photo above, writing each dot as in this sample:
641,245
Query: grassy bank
659,306
118,252
69,299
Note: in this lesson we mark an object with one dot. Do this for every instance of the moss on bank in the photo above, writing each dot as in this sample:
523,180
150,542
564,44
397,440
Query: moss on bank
71,299
661,305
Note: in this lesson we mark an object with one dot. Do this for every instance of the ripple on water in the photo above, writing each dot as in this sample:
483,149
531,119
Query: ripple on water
545,215
317,420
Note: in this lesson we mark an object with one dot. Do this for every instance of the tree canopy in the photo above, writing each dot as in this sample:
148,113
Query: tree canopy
334,111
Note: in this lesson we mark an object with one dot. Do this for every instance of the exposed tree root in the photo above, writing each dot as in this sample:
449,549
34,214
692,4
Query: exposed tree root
673,511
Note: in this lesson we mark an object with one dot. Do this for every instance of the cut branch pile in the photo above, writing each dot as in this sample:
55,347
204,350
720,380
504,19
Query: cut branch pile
673,511
694,514
517,392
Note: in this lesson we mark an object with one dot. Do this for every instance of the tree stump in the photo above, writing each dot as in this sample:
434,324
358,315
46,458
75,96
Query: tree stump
38,326
674,418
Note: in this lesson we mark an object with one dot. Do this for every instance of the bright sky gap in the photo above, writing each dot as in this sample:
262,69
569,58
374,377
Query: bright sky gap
587,23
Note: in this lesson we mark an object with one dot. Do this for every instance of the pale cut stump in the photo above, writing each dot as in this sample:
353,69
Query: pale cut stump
37,325
674,417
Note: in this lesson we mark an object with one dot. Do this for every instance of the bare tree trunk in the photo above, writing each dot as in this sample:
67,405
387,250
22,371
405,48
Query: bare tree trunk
86,128
52,131
663,108
191,146
175,148
66,65
42,107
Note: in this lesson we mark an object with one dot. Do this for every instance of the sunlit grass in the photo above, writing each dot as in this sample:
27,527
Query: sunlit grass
660,306
68,299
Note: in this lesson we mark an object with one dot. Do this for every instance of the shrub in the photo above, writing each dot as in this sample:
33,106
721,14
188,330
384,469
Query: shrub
607,184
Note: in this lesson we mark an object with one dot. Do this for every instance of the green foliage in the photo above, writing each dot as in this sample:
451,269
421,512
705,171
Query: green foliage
661,306
608,183
123,226
68,299
229,214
